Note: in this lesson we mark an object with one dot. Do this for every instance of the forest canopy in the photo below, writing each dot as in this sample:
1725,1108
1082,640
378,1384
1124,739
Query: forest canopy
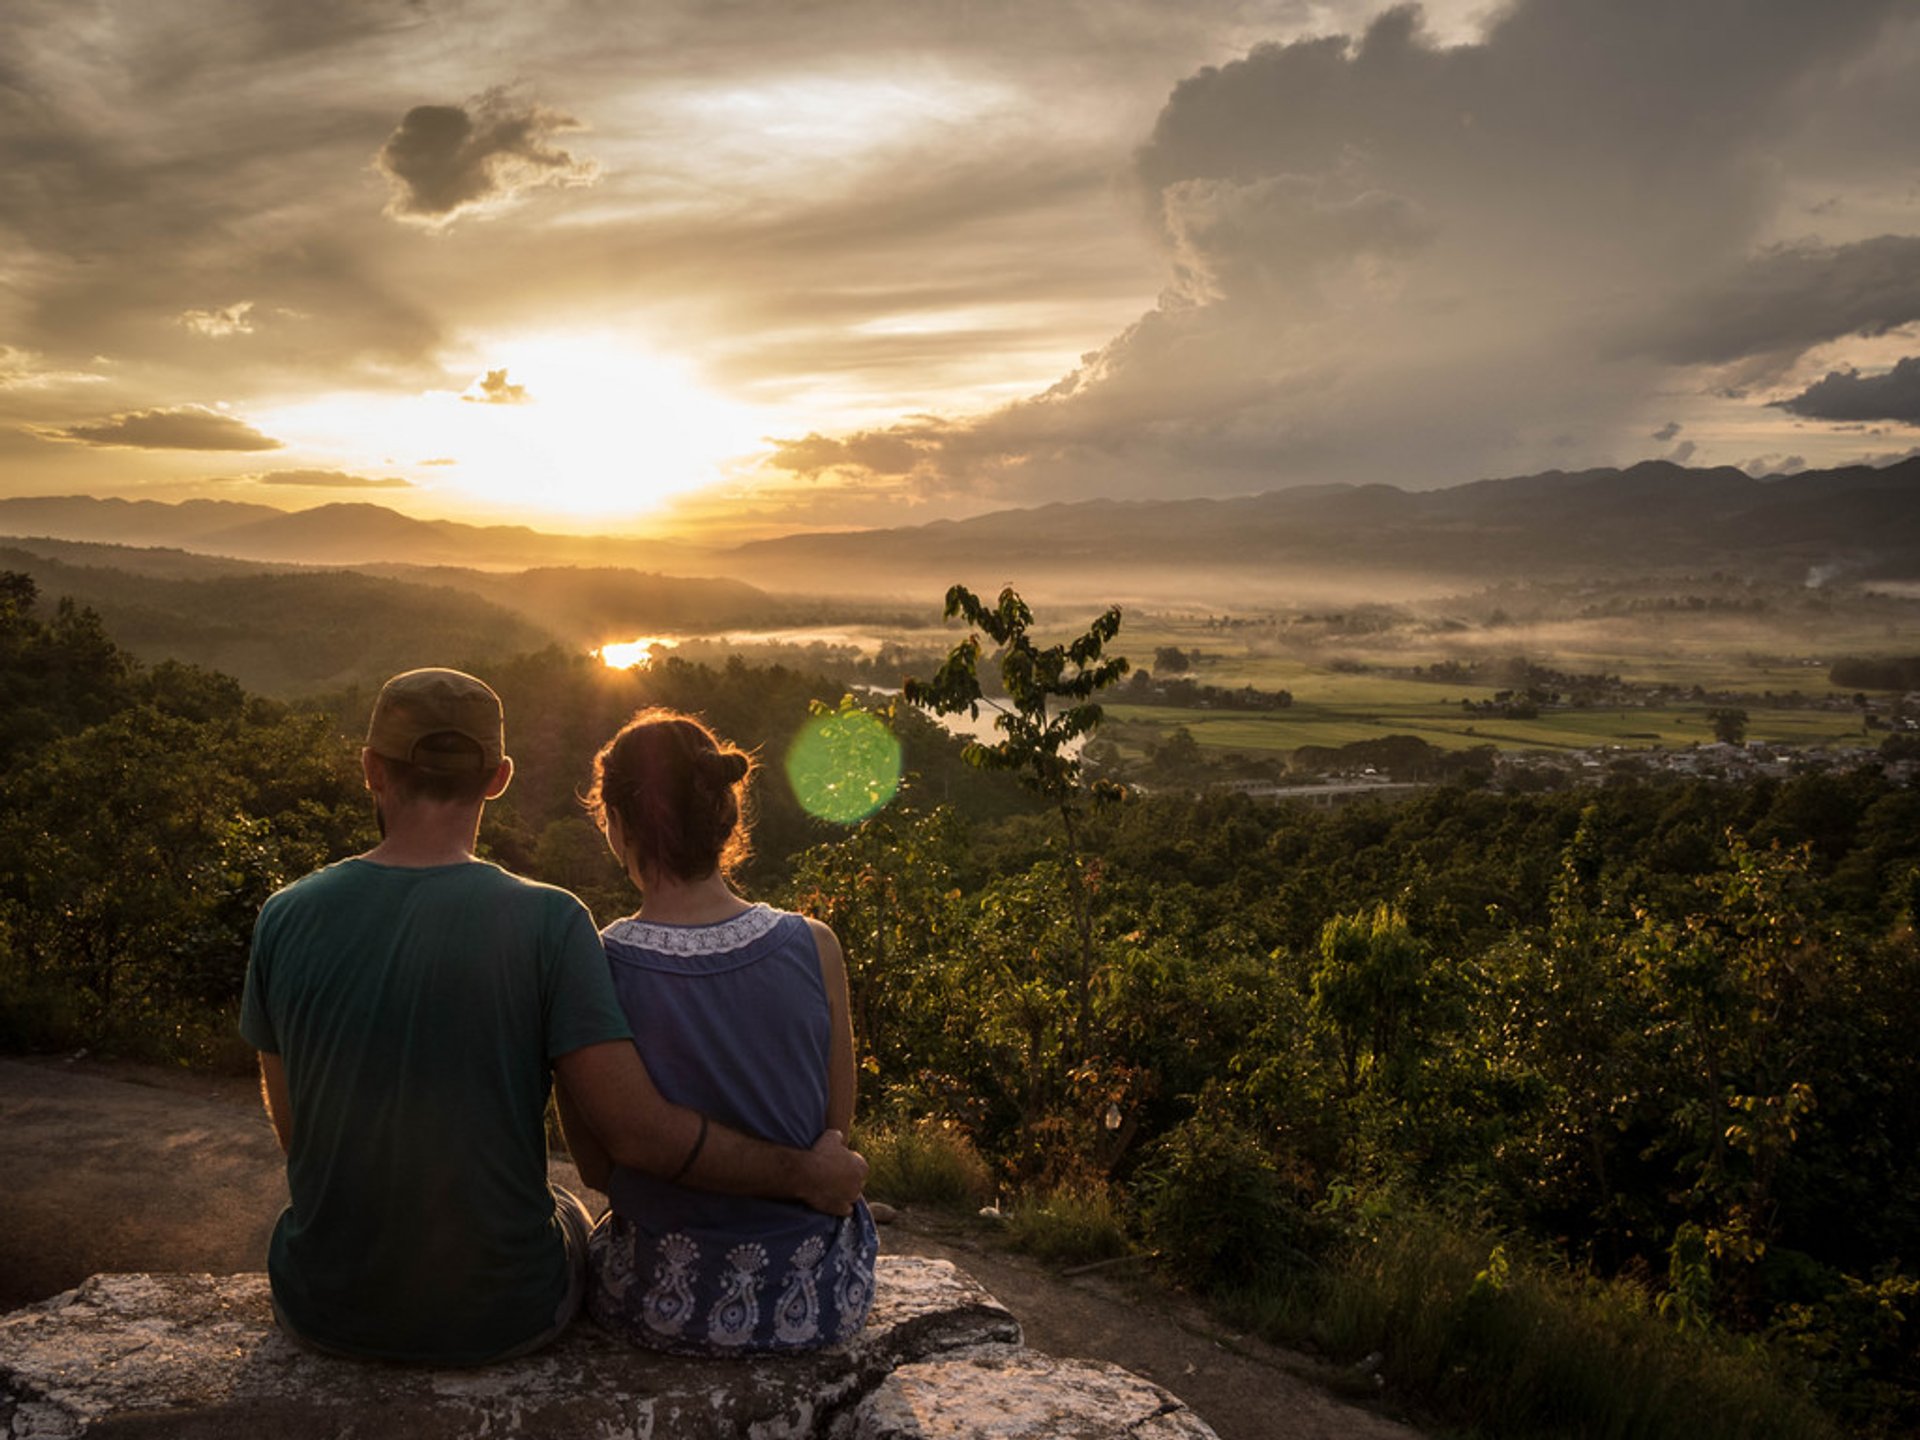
1657,1034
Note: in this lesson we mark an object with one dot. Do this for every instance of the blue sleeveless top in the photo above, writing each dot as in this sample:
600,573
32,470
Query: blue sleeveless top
732,1020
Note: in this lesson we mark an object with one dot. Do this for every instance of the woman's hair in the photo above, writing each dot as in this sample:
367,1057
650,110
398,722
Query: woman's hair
679,791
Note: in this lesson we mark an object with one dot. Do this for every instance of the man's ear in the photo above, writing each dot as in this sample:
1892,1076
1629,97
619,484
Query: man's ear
370,772
502,777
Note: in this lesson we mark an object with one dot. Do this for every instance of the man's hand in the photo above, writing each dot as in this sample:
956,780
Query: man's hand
834,1175
640,1129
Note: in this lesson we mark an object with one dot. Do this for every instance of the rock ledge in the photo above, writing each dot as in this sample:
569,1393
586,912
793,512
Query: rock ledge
197,1357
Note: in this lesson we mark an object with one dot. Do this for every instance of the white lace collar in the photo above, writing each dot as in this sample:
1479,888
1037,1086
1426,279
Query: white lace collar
720,938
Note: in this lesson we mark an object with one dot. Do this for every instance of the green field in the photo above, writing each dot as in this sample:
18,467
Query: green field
1348,675
1445,726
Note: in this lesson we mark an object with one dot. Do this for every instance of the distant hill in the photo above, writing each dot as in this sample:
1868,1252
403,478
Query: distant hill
284,628
279,632
593,605
1854,522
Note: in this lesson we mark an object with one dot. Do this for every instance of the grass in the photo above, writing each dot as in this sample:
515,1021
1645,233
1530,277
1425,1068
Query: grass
1476,1343
1507,1350
923,1162
1070,1224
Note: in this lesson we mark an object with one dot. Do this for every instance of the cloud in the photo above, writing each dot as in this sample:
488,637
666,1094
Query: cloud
179,427
447,160
21,370
495,389
1499,237
1263,238
218,324
1666,432
1792,297
1849,395
1388,258
328,479
895,451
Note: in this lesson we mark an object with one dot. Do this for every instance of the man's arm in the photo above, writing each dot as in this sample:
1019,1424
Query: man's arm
590,1157
610,1087
273,1091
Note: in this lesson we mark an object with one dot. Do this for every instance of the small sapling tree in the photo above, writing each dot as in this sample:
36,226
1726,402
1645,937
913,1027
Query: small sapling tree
1049,705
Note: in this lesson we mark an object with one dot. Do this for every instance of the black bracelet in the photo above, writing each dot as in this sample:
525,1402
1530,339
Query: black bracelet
693,1154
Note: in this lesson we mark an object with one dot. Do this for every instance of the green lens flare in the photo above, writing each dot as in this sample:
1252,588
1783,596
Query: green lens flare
844,766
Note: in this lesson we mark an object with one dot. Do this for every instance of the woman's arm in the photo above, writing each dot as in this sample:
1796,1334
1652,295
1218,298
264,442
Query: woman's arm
842,1071
590,1157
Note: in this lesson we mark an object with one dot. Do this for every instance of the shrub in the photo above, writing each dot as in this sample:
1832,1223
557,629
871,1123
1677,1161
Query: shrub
925,1161
1215,1205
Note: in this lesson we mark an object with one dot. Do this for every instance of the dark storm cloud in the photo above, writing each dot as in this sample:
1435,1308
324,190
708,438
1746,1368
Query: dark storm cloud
448,159
1849,395
1794,297
1392,259
1259,238
180,427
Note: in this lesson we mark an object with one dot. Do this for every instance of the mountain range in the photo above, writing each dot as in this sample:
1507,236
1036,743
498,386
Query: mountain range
1853,522
349,533
1858,522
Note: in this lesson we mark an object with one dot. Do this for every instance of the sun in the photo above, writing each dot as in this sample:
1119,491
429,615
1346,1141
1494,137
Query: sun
594,425
583,425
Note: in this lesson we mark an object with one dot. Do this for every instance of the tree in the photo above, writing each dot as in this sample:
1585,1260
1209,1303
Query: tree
1049,706
1178,754
1729,724
56,677
1366,989
1732,988
135,854
888,890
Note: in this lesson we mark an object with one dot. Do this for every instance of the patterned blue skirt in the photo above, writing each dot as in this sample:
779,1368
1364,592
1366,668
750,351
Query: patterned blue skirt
690,1291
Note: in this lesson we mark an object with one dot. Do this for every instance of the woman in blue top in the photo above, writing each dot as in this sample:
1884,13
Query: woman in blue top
740,1012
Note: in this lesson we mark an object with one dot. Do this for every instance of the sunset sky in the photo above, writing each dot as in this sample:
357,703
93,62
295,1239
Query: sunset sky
768,264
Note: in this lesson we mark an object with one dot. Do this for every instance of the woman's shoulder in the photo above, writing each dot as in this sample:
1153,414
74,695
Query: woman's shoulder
752,930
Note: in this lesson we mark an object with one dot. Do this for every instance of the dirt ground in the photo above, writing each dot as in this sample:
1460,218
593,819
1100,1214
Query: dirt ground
113,1167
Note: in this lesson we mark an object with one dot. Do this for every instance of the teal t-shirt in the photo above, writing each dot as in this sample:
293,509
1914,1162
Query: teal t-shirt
418,1013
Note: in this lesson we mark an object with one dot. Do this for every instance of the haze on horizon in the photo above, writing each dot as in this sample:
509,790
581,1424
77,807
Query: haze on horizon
753,267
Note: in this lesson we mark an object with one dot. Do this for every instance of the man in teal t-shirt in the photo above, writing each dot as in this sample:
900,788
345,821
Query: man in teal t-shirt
410,1007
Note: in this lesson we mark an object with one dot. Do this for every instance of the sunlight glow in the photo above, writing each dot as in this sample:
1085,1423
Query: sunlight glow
626,654
566,424
820,115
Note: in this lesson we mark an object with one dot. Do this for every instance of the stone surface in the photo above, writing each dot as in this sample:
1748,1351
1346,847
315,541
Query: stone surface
197,1357
1007,1392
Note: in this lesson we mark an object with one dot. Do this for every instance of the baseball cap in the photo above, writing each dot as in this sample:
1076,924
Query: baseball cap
420,703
